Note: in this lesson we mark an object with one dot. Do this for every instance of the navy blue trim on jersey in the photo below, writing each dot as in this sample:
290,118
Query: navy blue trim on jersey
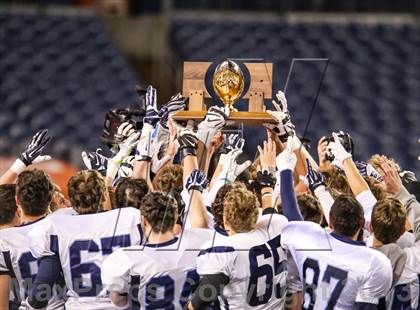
347,239
217,249
225,303
163,244
134,293
366,306
140,232
30,223
220,230
15,288
8,262
54,244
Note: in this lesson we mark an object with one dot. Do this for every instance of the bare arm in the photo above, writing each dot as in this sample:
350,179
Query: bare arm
4,291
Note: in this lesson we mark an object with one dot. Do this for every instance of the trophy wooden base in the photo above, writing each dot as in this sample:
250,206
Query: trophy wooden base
246,118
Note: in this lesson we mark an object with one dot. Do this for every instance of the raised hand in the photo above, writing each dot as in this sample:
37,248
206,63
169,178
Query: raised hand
230,167
152,115
284,126
32,152
187,142
287,159
315,179
124,131
197,180
390,176
322,149
268,155
214,121
233,141
95,161
338,150
175,104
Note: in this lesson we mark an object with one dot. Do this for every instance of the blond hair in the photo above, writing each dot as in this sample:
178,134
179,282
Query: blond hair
240,210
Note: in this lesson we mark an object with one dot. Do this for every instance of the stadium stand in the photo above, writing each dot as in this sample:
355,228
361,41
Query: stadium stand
371,86
56,77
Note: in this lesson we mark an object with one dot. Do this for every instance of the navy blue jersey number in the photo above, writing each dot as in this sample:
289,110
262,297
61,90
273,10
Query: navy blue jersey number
25,261
310,288
266,271
80,269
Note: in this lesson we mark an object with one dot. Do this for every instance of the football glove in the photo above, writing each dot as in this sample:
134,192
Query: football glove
32,152
338,151
175,104
284,126
214,121
231,168
152,114
197,180
95,161
188,143
315,178
265,179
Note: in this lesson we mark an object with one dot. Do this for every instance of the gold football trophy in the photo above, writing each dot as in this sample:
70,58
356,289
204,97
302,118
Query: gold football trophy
228,84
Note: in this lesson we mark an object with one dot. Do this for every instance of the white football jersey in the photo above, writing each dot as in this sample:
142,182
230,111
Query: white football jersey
82,243
157,276
336,272
405,293
16,260
255,264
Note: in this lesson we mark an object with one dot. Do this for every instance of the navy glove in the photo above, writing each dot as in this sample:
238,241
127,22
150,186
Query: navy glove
197,180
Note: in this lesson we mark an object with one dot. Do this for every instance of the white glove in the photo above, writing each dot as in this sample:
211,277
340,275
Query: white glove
284,126
286,160
339,152
158,147
125,149
214,121
231,168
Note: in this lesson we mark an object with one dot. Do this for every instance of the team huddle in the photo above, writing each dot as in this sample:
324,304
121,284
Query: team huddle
174,220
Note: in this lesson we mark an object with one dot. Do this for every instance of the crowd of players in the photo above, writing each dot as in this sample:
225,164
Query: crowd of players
158,226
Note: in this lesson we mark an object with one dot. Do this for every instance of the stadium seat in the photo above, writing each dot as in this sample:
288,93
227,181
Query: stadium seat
56,77
369,90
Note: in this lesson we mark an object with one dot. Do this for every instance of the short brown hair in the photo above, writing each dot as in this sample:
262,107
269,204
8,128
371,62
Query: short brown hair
34,191
218,203
169,178
388,220
310,208
337,181
130,192
86,191
241,210
160,211
346,216
7,203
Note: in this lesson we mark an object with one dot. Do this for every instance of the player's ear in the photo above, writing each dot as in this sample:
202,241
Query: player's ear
370,228
330,225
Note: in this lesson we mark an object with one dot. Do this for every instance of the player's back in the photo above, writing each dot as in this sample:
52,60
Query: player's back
162,276
254,263
82,243
406,265
336,271
22,266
